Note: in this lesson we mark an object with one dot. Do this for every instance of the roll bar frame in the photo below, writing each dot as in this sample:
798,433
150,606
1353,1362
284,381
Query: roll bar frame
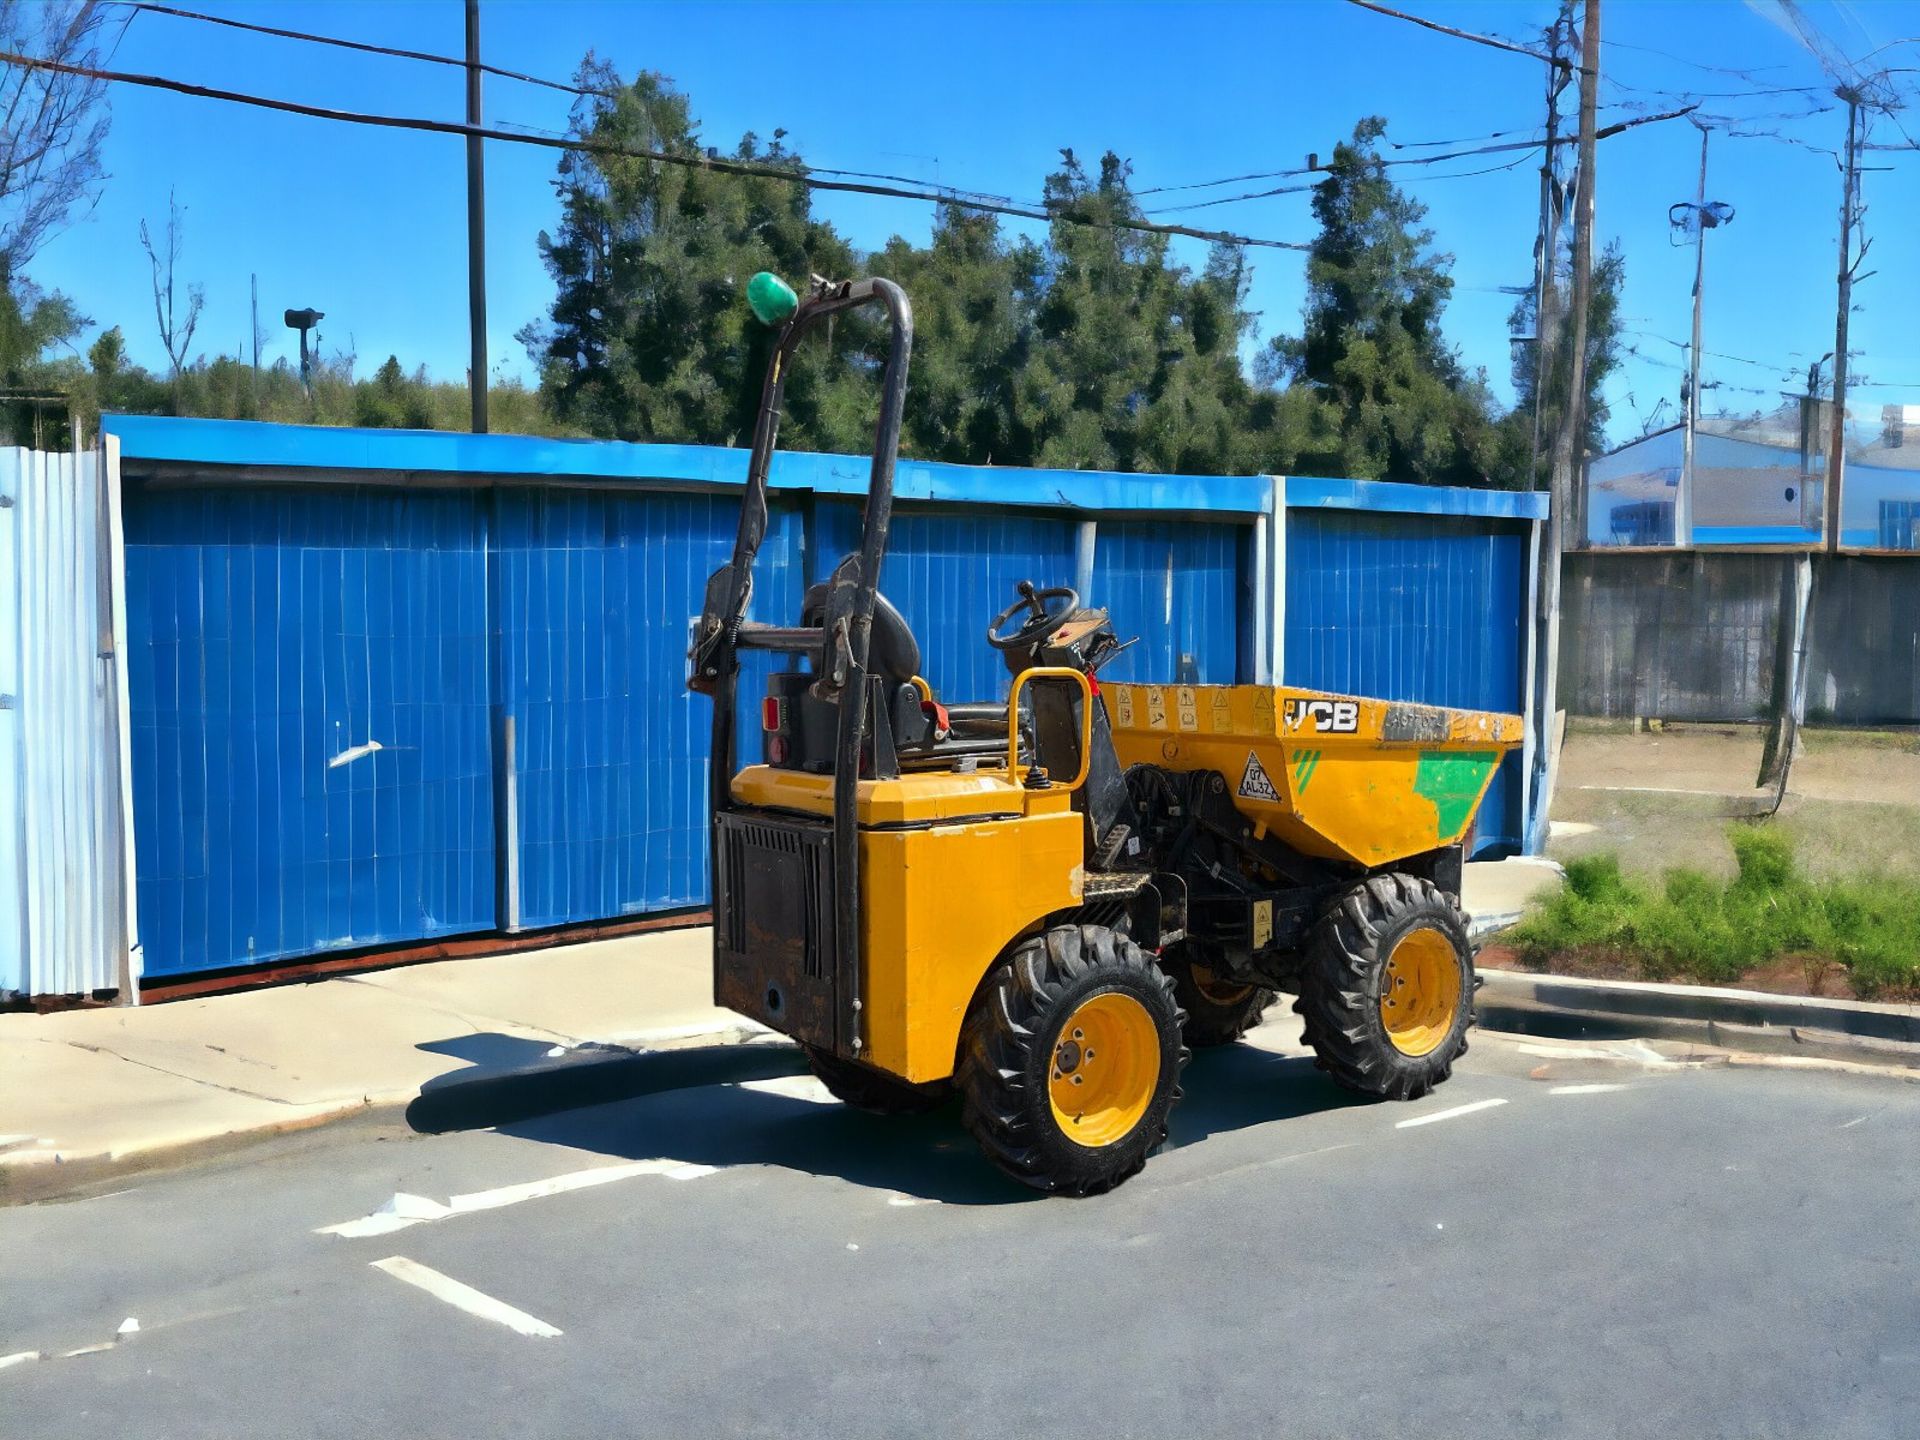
724,630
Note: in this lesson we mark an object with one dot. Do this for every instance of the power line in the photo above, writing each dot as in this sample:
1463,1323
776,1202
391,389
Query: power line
1603,133
1520,159
1460,139
712,163
1691,94
427,55
1487,40
1715,354
453,60
1647,359
456,61
1739,74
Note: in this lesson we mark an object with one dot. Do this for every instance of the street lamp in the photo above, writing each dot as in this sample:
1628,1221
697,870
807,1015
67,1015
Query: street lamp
1697,217
303,321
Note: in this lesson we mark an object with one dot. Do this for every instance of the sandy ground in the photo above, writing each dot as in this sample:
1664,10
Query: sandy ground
1835,765
1668,798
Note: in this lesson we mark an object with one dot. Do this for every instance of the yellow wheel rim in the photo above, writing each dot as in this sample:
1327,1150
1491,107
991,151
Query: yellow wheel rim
1420,991
1218,991
1104,1070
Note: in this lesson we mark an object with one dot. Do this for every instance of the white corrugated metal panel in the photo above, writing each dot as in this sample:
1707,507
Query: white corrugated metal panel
62,918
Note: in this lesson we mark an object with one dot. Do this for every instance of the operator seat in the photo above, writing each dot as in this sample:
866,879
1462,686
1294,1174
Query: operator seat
892,652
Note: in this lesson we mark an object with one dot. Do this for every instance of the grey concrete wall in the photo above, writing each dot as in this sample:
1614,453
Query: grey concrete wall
1863,655
1683,636
1691,636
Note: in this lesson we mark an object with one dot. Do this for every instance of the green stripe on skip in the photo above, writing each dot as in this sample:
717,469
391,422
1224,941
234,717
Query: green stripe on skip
1453,780
1303,768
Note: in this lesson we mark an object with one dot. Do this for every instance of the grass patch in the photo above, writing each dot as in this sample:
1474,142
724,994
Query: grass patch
1688,925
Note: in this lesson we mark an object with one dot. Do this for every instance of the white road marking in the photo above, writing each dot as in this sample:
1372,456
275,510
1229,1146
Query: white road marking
905,1200
128,1326
1860,1120
397,1214
792,1087
1452,1114
463,1297
87,1350
405,1210
19,1357
574,1180
1584,1089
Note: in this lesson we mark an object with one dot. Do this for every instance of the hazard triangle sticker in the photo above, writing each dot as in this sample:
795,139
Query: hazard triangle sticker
1254,784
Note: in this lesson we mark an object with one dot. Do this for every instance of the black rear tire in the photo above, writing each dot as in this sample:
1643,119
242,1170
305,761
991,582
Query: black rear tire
875,1091
1218,1011
1032,1032
1348,989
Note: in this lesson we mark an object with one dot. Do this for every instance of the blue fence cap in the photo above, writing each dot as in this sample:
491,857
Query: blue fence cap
1308,492
257,445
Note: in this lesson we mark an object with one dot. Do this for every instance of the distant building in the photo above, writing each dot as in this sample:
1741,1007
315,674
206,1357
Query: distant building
1758,482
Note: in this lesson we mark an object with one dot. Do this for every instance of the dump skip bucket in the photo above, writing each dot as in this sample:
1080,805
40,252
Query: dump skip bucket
1344,778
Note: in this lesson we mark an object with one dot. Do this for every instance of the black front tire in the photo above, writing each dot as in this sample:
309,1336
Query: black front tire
1348,970
1022,1026
875,1091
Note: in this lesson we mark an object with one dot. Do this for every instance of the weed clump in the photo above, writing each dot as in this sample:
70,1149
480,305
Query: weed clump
1696,928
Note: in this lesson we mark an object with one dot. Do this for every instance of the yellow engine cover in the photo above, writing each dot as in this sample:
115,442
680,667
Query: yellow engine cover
1337,776
952,869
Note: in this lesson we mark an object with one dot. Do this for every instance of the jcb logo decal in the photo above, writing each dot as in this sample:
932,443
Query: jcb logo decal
1328,717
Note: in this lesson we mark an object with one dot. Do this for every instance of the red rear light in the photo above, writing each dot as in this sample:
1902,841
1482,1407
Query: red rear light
771,716
777,750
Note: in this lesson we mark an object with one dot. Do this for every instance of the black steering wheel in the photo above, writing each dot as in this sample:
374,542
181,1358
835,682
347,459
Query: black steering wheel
1043,618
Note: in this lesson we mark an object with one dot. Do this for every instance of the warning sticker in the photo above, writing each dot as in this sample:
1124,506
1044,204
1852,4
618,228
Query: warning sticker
1222,711
1254,784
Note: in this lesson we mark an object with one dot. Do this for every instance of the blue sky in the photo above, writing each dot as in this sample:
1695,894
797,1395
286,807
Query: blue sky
369,225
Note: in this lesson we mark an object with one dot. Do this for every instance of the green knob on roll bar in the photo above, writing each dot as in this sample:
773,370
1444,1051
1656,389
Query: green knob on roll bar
771,298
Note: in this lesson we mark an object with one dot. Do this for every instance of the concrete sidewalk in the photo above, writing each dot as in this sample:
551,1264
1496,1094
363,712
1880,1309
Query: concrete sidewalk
106,1089
97,1091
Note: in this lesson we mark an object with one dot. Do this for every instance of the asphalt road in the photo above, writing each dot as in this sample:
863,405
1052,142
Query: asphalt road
1562,1241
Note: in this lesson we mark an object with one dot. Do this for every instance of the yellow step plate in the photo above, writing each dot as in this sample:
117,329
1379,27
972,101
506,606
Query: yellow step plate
1338,776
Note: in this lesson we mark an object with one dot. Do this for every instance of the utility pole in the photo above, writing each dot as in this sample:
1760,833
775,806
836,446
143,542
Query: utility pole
255,279
1571,426
1849,207
1705,217
1573,418
1683,511
476,231
1546,319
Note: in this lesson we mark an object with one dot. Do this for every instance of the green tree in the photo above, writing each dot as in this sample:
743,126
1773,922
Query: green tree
972,296
33,324
1134,361
1371,350
649,337
1603,359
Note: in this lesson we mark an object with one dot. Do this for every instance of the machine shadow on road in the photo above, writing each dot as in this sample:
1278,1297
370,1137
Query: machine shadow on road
514,1078
729,1106
1235,1087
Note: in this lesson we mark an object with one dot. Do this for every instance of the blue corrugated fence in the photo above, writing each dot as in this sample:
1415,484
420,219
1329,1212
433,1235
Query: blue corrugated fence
1425,608
367,711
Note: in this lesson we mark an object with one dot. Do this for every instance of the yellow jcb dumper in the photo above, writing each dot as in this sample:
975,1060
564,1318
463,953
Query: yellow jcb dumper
1039,901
